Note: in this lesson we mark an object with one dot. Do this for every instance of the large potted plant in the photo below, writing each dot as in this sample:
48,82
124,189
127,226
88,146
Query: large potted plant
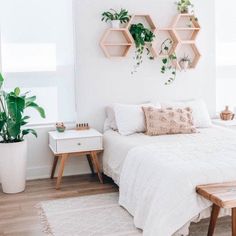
13,146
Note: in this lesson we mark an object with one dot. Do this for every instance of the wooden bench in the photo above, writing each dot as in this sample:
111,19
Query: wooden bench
222,196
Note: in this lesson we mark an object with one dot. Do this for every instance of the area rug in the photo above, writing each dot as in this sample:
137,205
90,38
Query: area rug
100,215
96,215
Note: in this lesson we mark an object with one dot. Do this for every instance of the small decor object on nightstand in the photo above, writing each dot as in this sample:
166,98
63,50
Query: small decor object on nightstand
83,126
60,127
227,114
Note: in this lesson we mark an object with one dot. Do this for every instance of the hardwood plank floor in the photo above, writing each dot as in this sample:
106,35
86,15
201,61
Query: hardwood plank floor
18,215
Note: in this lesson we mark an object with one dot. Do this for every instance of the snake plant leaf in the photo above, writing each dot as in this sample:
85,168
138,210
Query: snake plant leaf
37,108
1,80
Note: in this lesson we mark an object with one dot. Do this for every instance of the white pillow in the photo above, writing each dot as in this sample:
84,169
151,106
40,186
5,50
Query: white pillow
130,119
111,120
201,116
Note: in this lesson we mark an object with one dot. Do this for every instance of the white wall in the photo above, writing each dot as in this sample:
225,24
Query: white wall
101,81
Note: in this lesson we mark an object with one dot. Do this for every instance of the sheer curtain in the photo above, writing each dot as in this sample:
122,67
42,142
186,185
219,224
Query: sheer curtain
38,54
226,53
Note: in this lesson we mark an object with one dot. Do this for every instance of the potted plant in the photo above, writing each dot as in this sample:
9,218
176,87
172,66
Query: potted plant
185,62
169,61
116,17
13,146
143,39
184,6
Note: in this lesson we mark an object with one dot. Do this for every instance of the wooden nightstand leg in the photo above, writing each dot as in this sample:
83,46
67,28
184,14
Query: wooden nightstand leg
90,163
214,215
233,221
54,166
61,170
97,166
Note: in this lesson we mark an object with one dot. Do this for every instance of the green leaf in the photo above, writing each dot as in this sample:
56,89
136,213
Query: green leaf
37,108
164,60
29,100
3,119
28,131
17,91
15,106
1,80
13,128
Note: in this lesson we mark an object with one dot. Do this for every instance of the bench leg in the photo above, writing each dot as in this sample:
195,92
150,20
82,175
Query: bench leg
233,221
214,215
54,166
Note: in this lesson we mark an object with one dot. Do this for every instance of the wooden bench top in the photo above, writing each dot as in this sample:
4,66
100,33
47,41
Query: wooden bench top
223,195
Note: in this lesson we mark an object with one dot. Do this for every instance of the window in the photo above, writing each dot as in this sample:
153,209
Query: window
37,54
225,54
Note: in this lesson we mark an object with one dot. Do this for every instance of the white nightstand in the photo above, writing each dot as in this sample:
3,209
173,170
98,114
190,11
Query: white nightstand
75,143
231,124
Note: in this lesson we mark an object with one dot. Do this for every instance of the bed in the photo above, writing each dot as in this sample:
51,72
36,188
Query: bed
157,175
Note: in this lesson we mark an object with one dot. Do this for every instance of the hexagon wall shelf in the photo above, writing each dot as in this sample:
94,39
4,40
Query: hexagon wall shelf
162,35
148,22
116,42
190,50
186,27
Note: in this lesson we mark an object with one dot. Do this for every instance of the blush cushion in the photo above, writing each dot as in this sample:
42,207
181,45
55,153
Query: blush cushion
168,121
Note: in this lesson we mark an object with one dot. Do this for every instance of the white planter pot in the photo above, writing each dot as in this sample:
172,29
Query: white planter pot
13,157
115,24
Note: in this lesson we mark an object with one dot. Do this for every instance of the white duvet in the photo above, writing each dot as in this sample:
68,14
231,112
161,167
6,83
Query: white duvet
157,182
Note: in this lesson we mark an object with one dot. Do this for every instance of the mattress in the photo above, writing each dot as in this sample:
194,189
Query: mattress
117,146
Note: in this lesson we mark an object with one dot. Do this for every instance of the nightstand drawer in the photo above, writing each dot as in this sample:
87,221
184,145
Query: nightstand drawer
79,145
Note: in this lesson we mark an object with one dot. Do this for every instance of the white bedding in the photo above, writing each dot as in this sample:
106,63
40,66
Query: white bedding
157,175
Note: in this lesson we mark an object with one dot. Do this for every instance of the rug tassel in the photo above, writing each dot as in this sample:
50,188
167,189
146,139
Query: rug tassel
43,219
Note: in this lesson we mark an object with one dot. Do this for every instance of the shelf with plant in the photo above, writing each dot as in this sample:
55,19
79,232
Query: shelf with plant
143,39
169,61
162,35
116,17
188,56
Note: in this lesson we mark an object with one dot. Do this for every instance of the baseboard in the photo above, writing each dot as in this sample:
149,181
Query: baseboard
43,172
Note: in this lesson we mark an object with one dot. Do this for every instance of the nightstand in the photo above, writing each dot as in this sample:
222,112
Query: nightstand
231,124
75,143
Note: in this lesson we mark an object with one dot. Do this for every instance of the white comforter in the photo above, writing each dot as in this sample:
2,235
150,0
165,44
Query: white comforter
157,183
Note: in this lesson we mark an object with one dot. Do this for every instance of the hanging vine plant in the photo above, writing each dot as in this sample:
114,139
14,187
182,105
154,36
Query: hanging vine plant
169,61
143,39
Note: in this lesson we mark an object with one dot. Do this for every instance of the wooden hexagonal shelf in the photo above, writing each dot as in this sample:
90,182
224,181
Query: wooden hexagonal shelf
166,36
186,27
148,22
116,43
190,50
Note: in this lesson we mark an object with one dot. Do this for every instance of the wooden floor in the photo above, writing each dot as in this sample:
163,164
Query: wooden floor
18,215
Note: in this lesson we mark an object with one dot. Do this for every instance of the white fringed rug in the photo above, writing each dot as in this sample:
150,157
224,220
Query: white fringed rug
96,215
100,215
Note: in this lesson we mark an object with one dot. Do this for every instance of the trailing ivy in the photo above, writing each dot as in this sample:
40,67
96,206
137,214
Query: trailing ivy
169,61
143,39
